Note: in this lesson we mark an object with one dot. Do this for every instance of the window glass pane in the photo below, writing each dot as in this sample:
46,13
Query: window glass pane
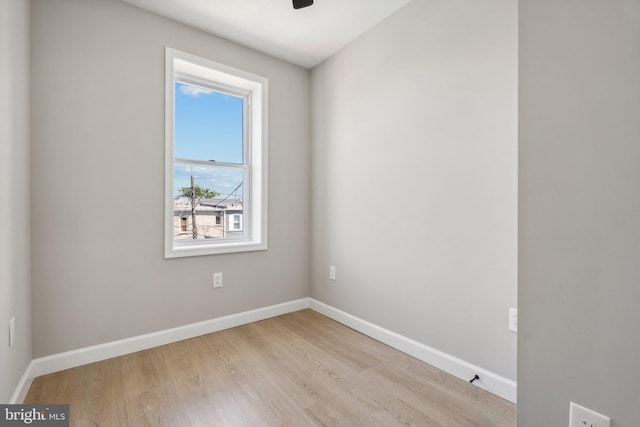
208,124
212,202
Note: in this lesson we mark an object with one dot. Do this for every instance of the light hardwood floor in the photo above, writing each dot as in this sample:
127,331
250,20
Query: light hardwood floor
300,369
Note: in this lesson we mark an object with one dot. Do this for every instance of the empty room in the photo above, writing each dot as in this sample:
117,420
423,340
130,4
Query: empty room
328,212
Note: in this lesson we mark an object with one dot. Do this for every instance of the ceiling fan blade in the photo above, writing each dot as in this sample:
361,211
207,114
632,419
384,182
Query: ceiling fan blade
299,4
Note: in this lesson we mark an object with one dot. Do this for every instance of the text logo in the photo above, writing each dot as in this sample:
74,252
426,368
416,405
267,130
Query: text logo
34,415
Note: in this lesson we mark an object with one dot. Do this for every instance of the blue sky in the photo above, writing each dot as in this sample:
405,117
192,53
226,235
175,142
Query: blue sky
222,180
208,126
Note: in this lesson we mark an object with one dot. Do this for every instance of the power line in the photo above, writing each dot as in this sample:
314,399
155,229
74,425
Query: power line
229,195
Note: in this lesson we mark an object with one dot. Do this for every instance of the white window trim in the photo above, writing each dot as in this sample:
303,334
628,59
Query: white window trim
184,63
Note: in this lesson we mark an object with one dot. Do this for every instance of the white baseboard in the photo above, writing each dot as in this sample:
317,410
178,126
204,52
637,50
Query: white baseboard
489,381
71,359
23,386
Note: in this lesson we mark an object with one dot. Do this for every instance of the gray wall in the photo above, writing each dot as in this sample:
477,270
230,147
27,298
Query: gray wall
415,177
579,210
15,292
98,175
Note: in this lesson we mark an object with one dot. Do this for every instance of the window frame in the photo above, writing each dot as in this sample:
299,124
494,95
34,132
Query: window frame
181,66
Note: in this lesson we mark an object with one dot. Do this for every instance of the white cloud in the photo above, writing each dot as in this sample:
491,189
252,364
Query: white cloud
193,90
219,179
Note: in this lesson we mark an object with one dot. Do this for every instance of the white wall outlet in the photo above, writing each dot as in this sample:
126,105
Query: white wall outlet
579,416
332,272
513,319
12,331
217,280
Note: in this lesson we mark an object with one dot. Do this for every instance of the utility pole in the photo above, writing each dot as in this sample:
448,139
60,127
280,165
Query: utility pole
193,208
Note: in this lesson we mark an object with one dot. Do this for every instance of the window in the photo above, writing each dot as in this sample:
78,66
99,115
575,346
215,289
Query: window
235,224
215,158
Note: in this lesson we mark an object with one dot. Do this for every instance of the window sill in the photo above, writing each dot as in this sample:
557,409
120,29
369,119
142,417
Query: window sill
179,251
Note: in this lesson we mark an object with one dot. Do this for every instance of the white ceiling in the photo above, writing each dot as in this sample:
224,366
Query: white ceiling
305,36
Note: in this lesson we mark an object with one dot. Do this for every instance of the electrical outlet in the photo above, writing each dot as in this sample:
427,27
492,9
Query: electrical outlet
513,319
217,280
332,272
579,416
12,331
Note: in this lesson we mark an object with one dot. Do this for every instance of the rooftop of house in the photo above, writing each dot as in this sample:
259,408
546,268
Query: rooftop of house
207,205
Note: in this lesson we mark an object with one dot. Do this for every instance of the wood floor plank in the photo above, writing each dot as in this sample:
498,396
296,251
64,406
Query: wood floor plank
300,369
